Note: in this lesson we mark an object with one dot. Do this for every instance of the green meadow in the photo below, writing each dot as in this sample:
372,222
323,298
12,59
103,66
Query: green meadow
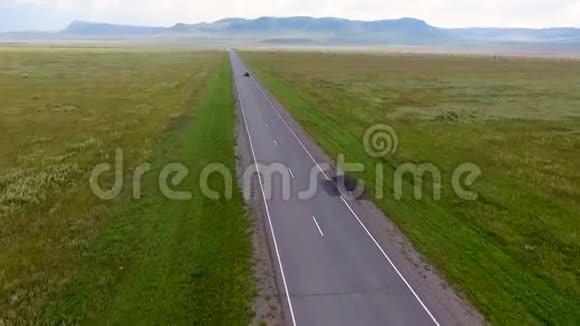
67,257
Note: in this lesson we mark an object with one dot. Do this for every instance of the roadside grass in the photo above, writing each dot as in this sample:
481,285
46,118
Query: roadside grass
514,251
68,257
162,261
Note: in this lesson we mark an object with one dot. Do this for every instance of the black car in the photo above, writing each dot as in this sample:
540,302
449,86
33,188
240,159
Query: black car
247,74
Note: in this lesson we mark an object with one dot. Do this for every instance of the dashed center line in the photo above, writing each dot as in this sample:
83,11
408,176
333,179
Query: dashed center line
267,125
291,174
275,143
318,226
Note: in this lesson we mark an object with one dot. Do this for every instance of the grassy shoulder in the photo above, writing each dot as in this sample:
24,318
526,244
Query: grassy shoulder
162,261
67,256
514,251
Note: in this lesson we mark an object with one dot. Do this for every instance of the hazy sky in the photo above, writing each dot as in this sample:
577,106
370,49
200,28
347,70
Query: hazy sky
55,14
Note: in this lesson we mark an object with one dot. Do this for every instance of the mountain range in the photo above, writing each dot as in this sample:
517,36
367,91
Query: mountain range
309,30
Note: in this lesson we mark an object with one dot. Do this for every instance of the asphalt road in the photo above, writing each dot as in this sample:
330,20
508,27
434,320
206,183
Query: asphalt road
331,269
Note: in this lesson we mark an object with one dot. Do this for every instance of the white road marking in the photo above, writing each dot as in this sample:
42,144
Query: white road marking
267,210
275,143
351,210
292,131
391,263
291,174
267,125
318,226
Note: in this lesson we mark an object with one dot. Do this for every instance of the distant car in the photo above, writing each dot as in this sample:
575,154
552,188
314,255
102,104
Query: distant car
247,74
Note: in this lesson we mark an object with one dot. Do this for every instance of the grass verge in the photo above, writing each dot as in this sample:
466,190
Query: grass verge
68,257
162,261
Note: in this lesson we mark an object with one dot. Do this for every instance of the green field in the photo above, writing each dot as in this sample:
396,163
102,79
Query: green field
68,257
515,251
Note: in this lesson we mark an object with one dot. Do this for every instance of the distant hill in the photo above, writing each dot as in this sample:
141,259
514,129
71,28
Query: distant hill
404,30
518,34
95,29
322,31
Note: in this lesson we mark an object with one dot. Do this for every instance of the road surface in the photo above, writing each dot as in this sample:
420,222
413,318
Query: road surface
330,268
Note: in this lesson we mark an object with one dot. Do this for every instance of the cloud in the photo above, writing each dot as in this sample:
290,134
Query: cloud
445,13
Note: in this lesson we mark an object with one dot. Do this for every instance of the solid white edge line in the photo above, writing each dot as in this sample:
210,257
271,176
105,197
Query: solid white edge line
266,206
391,263
351,210
318,226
